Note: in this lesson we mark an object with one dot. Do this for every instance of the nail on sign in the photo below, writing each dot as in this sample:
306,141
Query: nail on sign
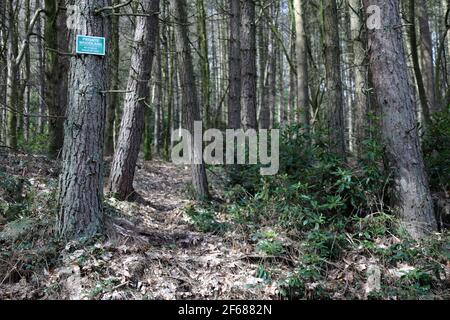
90,45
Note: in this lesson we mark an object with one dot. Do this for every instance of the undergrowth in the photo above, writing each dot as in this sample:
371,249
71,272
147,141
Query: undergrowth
335,211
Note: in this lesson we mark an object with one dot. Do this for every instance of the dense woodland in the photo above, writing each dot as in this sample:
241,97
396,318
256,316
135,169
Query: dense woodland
91,206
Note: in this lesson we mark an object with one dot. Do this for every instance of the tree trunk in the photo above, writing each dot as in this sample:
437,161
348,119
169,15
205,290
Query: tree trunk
27,91
263,54
426,50
204,62
272,78
191,111
416,63
333,78
358,61
80,202
3,68
113,101
42,120
12,77
132,124
282,113
388,67
302,66
55,77
234,68
248,60
157,101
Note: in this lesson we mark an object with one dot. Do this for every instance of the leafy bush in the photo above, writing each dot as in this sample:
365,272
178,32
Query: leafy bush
204,220
436,148
311,187
269,243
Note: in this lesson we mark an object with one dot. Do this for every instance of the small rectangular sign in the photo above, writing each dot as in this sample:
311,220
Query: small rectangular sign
90,45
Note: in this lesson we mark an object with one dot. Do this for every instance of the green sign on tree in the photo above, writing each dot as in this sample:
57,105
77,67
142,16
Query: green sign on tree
90,45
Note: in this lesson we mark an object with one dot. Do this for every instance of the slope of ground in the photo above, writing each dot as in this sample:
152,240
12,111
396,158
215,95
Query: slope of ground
151,251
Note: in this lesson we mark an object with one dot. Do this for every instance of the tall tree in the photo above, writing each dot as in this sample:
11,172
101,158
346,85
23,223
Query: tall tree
191,109
80,196
424,102
55,76
302,66
132,125
12,75
41,73
204,61
333,77
113,101
234,68
157,99
27,76
359,64
388,68
3,66
426,50
248,60
263,89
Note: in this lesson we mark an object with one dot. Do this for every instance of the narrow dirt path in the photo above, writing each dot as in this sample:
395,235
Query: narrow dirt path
152,250
180,262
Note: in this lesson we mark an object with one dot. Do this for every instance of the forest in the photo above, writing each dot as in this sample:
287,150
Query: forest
224,149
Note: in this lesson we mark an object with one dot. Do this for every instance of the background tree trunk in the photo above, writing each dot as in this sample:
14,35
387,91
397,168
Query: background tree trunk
358,61
12,80
333,78
157,101
113,101
42,120
426,50
204,62
248,60
191,110
55,75
234,68
132,124
302,66
27,84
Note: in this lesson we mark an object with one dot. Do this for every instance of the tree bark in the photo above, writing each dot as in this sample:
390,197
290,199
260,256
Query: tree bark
358,61
132,124
12,80
113,101
80,196
204,62
190,109
412,199
248,60
333,78
157,101
302,66
55,76
41,73
263,55
426,50
234,67
3,68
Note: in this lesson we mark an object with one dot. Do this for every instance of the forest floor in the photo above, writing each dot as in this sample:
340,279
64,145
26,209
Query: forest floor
151,251
152,248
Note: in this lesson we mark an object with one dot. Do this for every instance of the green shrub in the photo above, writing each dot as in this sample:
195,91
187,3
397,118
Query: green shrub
204,220
311,187
436,148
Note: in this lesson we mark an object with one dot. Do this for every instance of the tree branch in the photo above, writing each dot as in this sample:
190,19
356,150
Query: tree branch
117,6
